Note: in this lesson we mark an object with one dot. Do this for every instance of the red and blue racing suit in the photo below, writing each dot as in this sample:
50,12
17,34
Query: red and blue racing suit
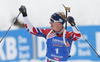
56,49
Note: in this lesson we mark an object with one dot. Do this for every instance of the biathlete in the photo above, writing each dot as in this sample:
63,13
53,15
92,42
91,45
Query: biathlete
59,40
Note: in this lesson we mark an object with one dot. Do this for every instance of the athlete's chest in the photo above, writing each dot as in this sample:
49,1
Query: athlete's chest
54,40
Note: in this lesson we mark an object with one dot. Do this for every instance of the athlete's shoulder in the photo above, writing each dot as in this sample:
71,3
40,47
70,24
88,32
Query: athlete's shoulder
45,31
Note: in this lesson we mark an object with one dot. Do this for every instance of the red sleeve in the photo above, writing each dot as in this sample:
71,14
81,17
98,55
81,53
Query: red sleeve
45,31
73,36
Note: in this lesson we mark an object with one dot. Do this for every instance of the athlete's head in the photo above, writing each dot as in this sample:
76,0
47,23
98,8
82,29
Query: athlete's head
57,20
58,17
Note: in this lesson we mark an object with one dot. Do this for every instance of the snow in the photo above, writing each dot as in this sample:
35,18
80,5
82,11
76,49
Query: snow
67,61
85,12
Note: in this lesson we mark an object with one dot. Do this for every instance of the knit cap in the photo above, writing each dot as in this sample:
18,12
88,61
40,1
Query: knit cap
59,16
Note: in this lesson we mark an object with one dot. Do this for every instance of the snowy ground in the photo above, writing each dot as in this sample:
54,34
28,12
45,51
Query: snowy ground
67,61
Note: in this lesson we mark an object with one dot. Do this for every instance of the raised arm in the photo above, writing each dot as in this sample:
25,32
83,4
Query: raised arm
30,28
75,34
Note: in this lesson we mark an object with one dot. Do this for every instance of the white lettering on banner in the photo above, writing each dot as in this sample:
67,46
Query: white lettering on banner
11,51
24,55
82,46
23,48
41,51
2,54
22,40
98,42
84,53
11,48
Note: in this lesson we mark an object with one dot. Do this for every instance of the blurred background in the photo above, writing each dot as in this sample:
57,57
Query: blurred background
21,46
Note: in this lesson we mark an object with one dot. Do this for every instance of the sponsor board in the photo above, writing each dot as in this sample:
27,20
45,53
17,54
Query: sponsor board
17,45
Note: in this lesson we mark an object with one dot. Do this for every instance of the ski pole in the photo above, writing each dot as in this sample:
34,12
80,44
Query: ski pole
88,43
10,26
66,9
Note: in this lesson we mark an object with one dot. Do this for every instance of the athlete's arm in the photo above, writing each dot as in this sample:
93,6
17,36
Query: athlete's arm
34,30
75,34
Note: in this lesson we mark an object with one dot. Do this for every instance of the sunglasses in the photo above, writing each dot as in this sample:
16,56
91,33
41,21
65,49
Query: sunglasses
53,21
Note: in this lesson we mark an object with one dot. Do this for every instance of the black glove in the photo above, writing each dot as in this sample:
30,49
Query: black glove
22,9
71,20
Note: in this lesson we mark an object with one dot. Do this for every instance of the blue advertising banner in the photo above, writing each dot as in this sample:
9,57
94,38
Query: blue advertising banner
80,49
17,45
